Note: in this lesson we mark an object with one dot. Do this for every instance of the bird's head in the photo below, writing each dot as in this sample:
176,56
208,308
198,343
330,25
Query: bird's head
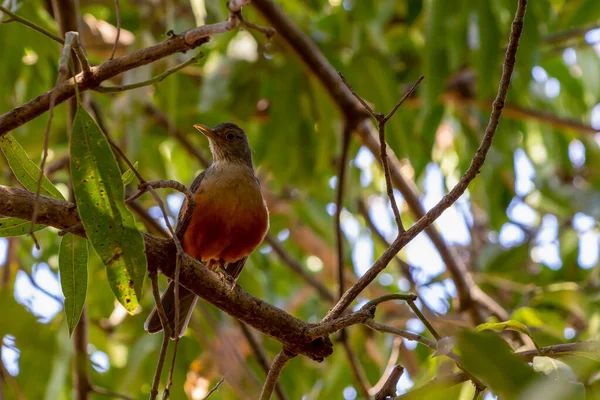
228,143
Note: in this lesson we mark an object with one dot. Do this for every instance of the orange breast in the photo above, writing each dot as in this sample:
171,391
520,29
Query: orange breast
230,218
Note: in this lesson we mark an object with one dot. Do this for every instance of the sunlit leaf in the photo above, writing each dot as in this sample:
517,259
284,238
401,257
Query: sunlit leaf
25,170
109,225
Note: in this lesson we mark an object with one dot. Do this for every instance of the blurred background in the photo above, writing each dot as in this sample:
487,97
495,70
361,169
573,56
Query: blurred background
526,229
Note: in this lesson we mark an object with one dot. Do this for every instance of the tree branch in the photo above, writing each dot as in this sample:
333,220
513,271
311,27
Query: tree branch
461,186
179,43
316,62
273,376
292,332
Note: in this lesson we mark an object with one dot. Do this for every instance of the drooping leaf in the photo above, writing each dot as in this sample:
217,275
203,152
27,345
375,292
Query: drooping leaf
72,264
108,223
25,170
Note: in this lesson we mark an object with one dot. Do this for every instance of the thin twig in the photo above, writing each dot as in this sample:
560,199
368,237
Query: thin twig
162,315
461,186
389,387
151,81
167,391
63,73
339,196
83,61
118,12
268,31
145,186
54,297
159,365
273,376
381,121
214,389
56,166
424,320
402,333
30,24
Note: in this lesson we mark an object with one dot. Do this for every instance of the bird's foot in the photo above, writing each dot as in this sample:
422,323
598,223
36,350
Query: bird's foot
228,279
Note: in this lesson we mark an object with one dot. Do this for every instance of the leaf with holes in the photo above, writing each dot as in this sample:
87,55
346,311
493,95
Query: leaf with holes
109,225
72,264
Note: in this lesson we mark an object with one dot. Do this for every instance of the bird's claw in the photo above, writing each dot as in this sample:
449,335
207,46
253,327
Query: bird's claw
228,279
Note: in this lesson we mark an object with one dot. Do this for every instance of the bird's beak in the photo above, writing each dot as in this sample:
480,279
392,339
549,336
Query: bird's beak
205,130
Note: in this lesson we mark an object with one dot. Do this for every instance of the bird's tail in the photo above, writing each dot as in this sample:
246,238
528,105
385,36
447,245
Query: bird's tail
187,301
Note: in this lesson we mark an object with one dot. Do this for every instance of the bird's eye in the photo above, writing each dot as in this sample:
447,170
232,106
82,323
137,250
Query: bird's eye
230,136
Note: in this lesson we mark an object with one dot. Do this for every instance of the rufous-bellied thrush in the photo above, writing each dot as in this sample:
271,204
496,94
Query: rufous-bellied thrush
229,221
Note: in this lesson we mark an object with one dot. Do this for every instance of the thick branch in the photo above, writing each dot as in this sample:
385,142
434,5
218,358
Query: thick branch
294,334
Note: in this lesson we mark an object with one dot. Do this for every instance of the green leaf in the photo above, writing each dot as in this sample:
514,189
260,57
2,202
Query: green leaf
108,223
490,359
72,264
128,175
554,369
510,325
16,227
25,170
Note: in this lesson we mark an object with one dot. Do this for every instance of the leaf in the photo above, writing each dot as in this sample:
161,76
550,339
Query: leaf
16,227
510,325
72,264
128,175
108,223
25,170
554,369
490,359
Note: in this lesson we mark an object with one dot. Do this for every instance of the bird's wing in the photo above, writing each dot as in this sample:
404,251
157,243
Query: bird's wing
181,224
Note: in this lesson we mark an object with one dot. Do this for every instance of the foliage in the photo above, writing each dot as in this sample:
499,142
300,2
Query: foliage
527,227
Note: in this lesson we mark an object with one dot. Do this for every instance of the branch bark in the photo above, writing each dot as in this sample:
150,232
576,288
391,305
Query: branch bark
179,43
293,333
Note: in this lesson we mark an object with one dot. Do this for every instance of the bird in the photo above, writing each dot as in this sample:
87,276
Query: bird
228,223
